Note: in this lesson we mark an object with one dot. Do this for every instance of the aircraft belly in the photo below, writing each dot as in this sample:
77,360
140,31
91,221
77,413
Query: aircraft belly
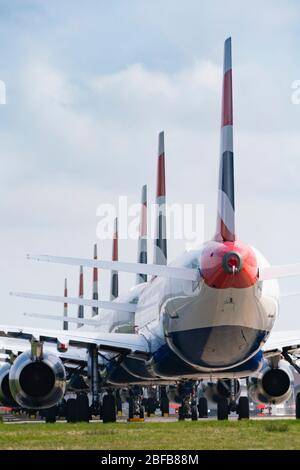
219,327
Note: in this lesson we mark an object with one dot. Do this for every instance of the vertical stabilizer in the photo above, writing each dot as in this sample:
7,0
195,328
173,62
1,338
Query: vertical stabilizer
142,242
65,323
160,242
226,206
95,310
114,283
80,307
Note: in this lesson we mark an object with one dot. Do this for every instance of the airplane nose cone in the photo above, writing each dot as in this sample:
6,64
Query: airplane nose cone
232,262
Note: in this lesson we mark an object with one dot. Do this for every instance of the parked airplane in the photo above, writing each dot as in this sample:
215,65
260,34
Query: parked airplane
207,315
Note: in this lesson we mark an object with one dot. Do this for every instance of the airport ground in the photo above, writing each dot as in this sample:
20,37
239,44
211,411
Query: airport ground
262,433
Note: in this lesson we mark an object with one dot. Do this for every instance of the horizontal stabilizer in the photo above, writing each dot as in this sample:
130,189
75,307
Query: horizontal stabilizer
188,274
277,272
79,321
122,307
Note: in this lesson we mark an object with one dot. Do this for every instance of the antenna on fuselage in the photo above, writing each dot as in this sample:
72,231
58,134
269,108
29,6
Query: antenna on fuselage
114,282
142,254
160,242
95,310
226,208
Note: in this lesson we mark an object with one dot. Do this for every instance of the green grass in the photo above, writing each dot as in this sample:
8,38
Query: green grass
281,434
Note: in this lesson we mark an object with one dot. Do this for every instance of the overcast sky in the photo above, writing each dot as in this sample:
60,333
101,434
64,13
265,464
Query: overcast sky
89,86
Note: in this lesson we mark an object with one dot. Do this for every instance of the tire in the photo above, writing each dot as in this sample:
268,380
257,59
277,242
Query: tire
142,412
151,406
222,409
130,409
164,405
243,408
181,413
298,406
50,414
109,409
194,414
83,408
72,411
202,407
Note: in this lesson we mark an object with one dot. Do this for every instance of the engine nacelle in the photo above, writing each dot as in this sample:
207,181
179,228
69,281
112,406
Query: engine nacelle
273,385
37,383
6,397
213,391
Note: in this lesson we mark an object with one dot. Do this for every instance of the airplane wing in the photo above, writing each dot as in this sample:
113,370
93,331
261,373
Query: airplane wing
124,343
283,340
189,274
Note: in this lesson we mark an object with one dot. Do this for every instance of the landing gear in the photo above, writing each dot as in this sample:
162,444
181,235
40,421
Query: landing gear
243,408
298,406
202,407
50,414
136,408
164,402
109,414
151,406
83,408
194,414
72,410
223,409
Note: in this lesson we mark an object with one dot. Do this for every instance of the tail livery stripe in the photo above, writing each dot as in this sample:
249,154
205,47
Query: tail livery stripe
226,204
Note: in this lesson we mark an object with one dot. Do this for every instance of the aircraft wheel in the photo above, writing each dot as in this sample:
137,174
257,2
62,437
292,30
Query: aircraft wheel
50,414
72,411
222,409
181,413
164,405
194,413
130,408
142,412
109,409
298,406
151,406
202,407
243,408
83,407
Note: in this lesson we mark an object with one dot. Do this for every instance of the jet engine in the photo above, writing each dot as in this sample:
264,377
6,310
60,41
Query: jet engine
6,398
273,385
37,380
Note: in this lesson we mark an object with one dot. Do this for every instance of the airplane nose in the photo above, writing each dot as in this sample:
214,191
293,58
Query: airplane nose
232,262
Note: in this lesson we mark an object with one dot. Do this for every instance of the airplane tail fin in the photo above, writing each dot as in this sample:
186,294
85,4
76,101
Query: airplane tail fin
142,242
65,323
80,307
114,283
95,310
226,206
160,242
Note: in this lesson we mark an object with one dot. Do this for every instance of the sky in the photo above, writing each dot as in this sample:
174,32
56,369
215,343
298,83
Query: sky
88,87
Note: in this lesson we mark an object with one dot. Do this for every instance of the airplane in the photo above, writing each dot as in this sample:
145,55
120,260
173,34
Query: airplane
208,315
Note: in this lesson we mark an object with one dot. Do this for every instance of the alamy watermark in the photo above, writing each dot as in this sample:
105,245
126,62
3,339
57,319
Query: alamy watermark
183,221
